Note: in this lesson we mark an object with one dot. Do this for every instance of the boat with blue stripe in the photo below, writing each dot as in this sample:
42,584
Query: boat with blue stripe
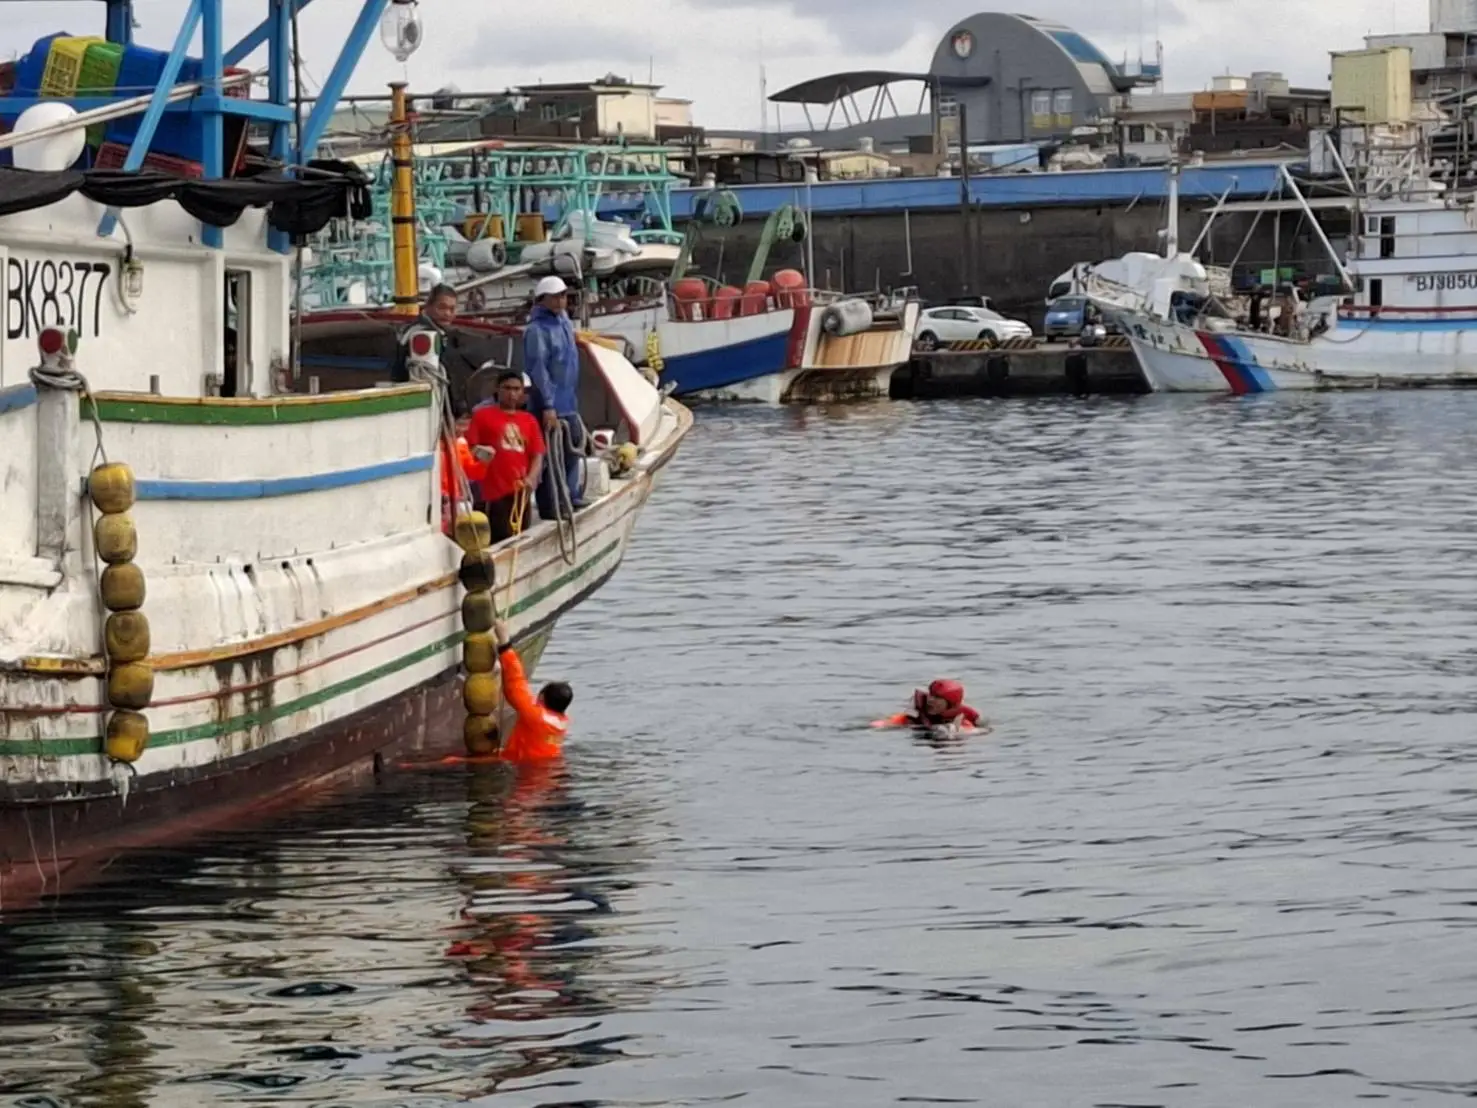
1403,312
238,560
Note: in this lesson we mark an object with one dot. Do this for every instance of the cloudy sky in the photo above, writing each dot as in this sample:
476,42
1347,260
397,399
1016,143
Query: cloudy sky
710,50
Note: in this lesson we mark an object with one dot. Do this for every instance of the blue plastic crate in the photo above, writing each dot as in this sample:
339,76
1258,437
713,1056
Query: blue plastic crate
139,73
30,69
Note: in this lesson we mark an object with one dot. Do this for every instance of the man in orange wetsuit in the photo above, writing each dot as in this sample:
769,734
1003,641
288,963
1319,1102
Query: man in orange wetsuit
542,725
942,705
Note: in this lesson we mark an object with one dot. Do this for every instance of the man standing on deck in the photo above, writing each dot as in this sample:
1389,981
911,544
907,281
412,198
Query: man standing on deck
438,314
506,440
551,358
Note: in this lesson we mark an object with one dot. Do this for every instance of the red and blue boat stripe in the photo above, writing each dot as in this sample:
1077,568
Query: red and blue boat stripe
1237,364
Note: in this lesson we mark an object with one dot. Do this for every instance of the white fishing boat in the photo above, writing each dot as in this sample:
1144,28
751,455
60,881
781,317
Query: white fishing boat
217,588
1403,314
1130,282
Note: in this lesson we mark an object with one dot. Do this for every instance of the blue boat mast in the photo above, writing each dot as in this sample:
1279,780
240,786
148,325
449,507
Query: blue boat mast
212,106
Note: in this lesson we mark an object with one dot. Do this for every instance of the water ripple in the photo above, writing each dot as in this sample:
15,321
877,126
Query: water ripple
1217,849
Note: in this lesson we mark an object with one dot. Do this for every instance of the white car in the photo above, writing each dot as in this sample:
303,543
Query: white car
937,326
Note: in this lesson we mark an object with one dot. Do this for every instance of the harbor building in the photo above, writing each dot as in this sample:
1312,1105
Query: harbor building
1019,78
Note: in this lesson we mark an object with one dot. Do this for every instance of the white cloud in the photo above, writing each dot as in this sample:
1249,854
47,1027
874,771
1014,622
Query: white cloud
710,50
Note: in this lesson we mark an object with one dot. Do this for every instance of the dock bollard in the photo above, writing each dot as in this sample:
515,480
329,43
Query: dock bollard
479,653
130,684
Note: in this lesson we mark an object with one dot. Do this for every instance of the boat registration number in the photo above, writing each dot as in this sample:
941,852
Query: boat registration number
1441,282
47,292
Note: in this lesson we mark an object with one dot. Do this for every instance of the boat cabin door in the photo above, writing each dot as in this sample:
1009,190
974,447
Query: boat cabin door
236,341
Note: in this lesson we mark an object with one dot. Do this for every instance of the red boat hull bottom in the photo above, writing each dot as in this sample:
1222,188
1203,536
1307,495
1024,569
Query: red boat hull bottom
48,848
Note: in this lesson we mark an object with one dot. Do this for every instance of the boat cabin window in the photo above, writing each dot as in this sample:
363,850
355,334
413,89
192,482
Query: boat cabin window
236,361
1387,236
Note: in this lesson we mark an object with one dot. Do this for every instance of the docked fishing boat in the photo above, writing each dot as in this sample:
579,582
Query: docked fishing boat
216,588
1398,314
496,217
843,347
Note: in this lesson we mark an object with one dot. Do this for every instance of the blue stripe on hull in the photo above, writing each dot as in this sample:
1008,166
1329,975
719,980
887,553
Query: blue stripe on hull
16,397
723,366
159,488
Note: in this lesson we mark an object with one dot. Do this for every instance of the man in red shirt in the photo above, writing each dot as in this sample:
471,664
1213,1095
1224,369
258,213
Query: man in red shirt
507,439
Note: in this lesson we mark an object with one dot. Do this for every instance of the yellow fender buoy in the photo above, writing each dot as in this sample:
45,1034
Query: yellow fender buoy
123,587
126,635
130,685
480,693
116,538
111,488
480,735
127,736
479,653
472,531
477,613
479,570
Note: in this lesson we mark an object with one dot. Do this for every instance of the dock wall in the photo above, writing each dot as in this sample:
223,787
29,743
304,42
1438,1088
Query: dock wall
1017,251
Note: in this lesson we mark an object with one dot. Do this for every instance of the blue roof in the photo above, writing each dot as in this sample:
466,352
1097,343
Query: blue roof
1014,190
1081,50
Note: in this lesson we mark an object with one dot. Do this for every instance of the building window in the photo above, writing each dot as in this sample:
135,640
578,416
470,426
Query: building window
1136,133
1063,101
1041,102
548,112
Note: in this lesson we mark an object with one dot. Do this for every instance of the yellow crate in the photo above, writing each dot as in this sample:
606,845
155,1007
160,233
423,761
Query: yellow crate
64,65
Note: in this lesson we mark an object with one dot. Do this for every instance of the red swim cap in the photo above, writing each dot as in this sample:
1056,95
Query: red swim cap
950,692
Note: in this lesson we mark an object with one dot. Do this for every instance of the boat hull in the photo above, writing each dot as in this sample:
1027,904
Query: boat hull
46,849
708,359
327,628
731,372
1357,354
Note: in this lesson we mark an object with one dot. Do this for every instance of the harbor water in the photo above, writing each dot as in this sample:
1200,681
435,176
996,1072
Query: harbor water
1218,850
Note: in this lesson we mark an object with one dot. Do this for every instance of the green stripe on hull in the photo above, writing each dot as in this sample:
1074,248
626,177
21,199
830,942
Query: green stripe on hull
253,415
55,748
93,745
538,596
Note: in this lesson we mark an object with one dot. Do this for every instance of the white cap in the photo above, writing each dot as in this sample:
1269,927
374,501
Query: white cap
549,286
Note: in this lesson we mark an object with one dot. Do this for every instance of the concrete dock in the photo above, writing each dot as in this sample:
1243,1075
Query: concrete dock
1044,369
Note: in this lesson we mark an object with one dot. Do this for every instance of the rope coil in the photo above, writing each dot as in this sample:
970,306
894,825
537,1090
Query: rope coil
563,501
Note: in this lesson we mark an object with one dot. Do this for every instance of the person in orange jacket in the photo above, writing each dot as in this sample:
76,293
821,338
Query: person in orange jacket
542,725
941,705
471,468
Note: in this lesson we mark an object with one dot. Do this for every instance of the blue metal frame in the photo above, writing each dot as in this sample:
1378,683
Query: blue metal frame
120,21
275,32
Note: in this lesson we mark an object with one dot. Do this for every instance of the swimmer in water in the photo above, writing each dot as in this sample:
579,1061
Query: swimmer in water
941,706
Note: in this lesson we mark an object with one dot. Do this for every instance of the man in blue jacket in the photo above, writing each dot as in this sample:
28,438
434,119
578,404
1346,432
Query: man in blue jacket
552,361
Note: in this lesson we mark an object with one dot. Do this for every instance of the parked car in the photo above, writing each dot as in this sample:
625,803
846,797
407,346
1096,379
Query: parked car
956,324
1075,317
